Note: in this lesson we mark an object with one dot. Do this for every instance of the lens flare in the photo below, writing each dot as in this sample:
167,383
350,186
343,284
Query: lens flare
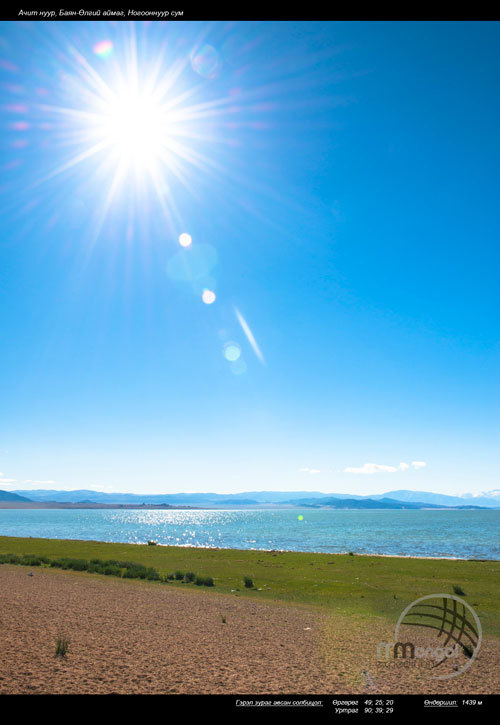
208,297
205,61
193,263
251,339
185,240
103,49
232,351
238,367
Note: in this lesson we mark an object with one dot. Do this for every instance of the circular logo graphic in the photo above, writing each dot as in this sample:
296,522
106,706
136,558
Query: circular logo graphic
440,630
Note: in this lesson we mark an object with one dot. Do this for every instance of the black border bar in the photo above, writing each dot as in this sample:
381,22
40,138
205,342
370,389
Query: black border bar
245,10
365,707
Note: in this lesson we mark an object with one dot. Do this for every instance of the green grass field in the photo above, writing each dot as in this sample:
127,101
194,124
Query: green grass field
343,584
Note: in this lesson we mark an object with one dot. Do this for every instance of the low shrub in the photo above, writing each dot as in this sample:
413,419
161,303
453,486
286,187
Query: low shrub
248,582
106,567
135,572
78,564
111,571
57,564
33,560
62,646
94,568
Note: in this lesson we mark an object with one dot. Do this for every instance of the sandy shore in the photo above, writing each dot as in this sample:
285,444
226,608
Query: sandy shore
129,637
133,637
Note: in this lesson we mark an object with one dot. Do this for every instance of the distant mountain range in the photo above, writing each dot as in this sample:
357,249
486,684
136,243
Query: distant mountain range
392,499
10,496
370,503
490,499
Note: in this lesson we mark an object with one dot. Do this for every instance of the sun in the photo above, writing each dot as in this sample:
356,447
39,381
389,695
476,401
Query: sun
138,125
135,127
130,115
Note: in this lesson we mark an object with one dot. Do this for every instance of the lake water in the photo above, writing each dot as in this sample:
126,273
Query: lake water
456,534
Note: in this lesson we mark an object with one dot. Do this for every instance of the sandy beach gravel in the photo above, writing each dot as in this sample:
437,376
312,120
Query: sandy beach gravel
131,637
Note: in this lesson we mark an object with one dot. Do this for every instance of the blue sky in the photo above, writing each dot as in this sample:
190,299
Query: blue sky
339,183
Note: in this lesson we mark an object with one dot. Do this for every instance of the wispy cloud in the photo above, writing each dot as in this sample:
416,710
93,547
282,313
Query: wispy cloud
310,470
6,480
369,468
29,480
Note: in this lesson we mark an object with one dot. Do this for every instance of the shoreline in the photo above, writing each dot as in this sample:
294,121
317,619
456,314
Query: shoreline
55,505
337,584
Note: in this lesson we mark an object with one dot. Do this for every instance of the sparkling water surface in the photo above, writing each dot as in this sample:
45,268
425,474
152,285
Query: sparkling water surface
454,534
